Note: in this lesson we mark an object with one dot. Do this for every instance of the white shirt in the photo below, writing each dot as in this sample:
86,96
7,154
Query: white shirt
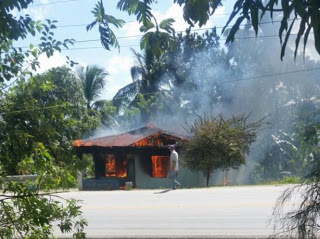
174,158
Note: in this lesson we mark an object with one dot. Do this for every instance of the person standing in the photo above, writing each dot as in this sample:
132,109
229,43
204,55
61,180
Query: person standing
174,167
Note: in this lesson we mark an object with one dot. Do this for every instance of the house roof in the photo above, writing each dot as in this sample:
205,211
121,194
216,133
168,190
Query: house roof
145,136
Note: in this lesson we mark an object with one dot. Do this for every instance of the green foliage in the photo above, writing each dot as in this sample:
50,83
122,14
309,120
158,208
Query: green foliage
291,106
148,107
198,11
107,36
39,118
301,221
51,175
107,111
131,117
284,181
92,79
146,75
157,38
14,61
28,212
157,42
216,143
50,109
141,9
308,12
164,77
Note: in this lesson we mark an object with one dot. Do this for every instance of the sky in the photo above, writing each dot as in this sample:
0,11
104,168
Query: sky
74,15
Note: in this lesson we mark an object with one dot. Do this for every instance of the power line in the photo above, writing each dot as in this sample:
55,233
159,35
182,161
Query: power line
270,75
124,46
50,3
245,79
194,30
157,92
94,47
86,24
222,39
134,21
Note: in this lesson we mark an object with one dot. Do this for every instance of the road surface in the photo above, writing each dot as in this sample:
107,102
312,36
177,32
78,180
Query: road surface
218,212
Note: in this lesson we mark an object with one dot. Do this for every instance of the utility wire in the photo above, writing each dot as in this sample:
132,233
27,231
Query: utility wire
239,80
86,24
50,3
222,39
94,47
134,21
270,75
194,30
157,92
243,79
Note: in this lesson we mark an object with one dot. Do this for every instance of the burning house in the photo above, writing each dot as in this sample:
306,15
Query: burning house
139,157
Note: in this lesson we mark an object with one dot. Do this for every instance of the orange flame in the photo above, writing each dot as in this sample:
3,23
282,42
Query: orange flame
77,143
151,141
122,169
160,165
111,166
116,168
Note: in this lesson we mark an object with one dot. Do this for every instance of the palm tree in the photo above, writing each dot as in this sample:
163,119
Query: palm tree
93,80
146,76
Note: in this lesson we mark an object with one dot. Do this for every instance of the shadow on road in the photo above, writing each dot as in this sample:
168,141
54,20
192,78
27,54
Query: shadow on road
164,191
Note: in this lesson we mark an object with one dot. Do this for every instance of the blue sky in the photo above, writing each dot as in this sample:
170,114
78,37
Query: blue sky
78,12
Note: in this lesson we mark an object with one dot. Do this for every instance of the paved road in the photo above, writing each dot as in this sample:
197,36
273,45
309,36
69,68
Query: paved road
215,212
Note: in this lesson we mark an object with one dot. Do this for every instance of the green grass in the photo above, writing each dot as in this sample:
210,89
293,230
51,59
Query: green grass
285,180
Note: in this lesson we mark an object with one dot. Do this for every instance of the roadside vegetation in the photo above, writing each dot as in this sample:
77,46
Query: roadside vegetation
285,180
177,76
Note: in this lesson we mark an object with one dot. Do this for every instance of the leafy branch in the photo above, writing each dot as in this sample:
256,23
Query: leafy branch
107,36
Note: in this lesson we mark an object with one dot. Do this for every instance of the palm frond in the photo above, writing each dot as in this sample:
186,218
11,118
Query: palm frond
93,81
126,94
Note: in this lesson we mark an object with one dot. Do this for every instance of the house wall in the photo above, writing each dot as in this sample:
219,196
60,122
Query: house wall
188,178
144,179
140,174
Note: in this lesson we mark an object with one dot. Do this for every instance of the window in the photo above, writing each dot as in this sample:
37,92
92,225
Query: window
116,167
160,165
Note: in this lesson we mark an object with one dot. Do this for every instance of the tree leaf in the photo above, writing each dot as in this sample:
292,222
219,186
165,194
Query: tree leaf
234,29
114,21
255,18
167,25
284,45
235,11
315,20
300,33
147,25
